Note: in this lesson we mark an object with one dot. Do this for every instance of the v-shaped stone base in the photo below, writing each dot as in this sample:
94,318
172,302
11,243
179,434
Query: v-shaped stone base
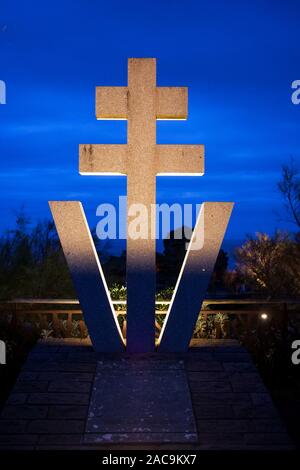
140,401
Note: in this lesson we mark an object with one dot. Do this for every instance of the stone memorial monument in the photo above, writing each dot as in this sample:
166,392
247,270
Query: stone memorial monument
141,159
71,394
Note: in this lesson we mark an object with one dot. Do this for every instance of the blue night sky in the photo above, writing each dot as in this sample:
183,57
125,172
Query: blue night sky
237,58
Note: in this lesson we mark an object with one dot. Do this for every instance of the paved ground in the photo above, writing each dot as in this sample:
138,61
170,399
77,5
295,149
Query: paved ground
155,400
49,405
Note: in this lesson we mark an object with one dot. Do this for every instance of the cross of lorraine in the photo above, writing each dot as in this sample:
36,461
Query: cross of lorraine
141,103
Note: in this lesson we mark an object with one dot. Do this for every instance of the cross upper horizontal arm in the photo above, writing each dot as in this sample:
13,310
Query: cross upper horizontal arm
111,102
171,102
97,159
185,160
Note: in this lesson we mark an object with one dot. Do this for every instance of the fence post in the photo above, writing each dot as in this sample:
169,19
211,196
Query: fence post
55,323
69,325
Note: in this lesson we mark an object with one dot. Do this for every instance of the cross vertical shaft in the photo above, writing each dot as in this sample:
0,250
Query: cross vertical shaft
141,182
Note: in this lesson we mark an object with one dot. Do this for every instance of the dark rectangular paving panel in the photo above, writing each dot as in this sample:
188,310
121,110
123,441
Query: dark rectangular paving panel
140,401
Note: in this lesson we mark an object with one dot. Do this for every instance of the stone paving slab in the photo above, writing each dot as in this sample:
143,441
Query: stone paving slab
49,406
154,398
144,437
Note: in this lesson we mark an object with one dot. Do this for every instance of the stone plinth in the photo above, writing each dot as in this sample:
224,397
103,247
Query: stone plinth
51,404
154,403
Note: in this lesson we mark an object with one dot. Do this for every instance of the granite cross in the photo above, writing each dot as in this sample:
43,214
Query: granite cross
141,159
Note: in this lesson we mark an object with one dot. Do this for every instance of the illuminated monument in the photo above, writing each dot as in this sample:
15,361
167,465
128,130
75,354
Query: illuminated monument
141,159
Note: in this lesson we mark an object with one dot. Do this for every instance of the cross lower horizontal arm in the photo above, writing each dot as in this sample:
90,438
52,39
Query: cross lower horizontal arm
171,160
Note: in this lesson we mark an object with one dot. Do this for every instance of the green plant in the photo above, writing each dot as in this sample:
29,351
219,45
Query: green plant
212,326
